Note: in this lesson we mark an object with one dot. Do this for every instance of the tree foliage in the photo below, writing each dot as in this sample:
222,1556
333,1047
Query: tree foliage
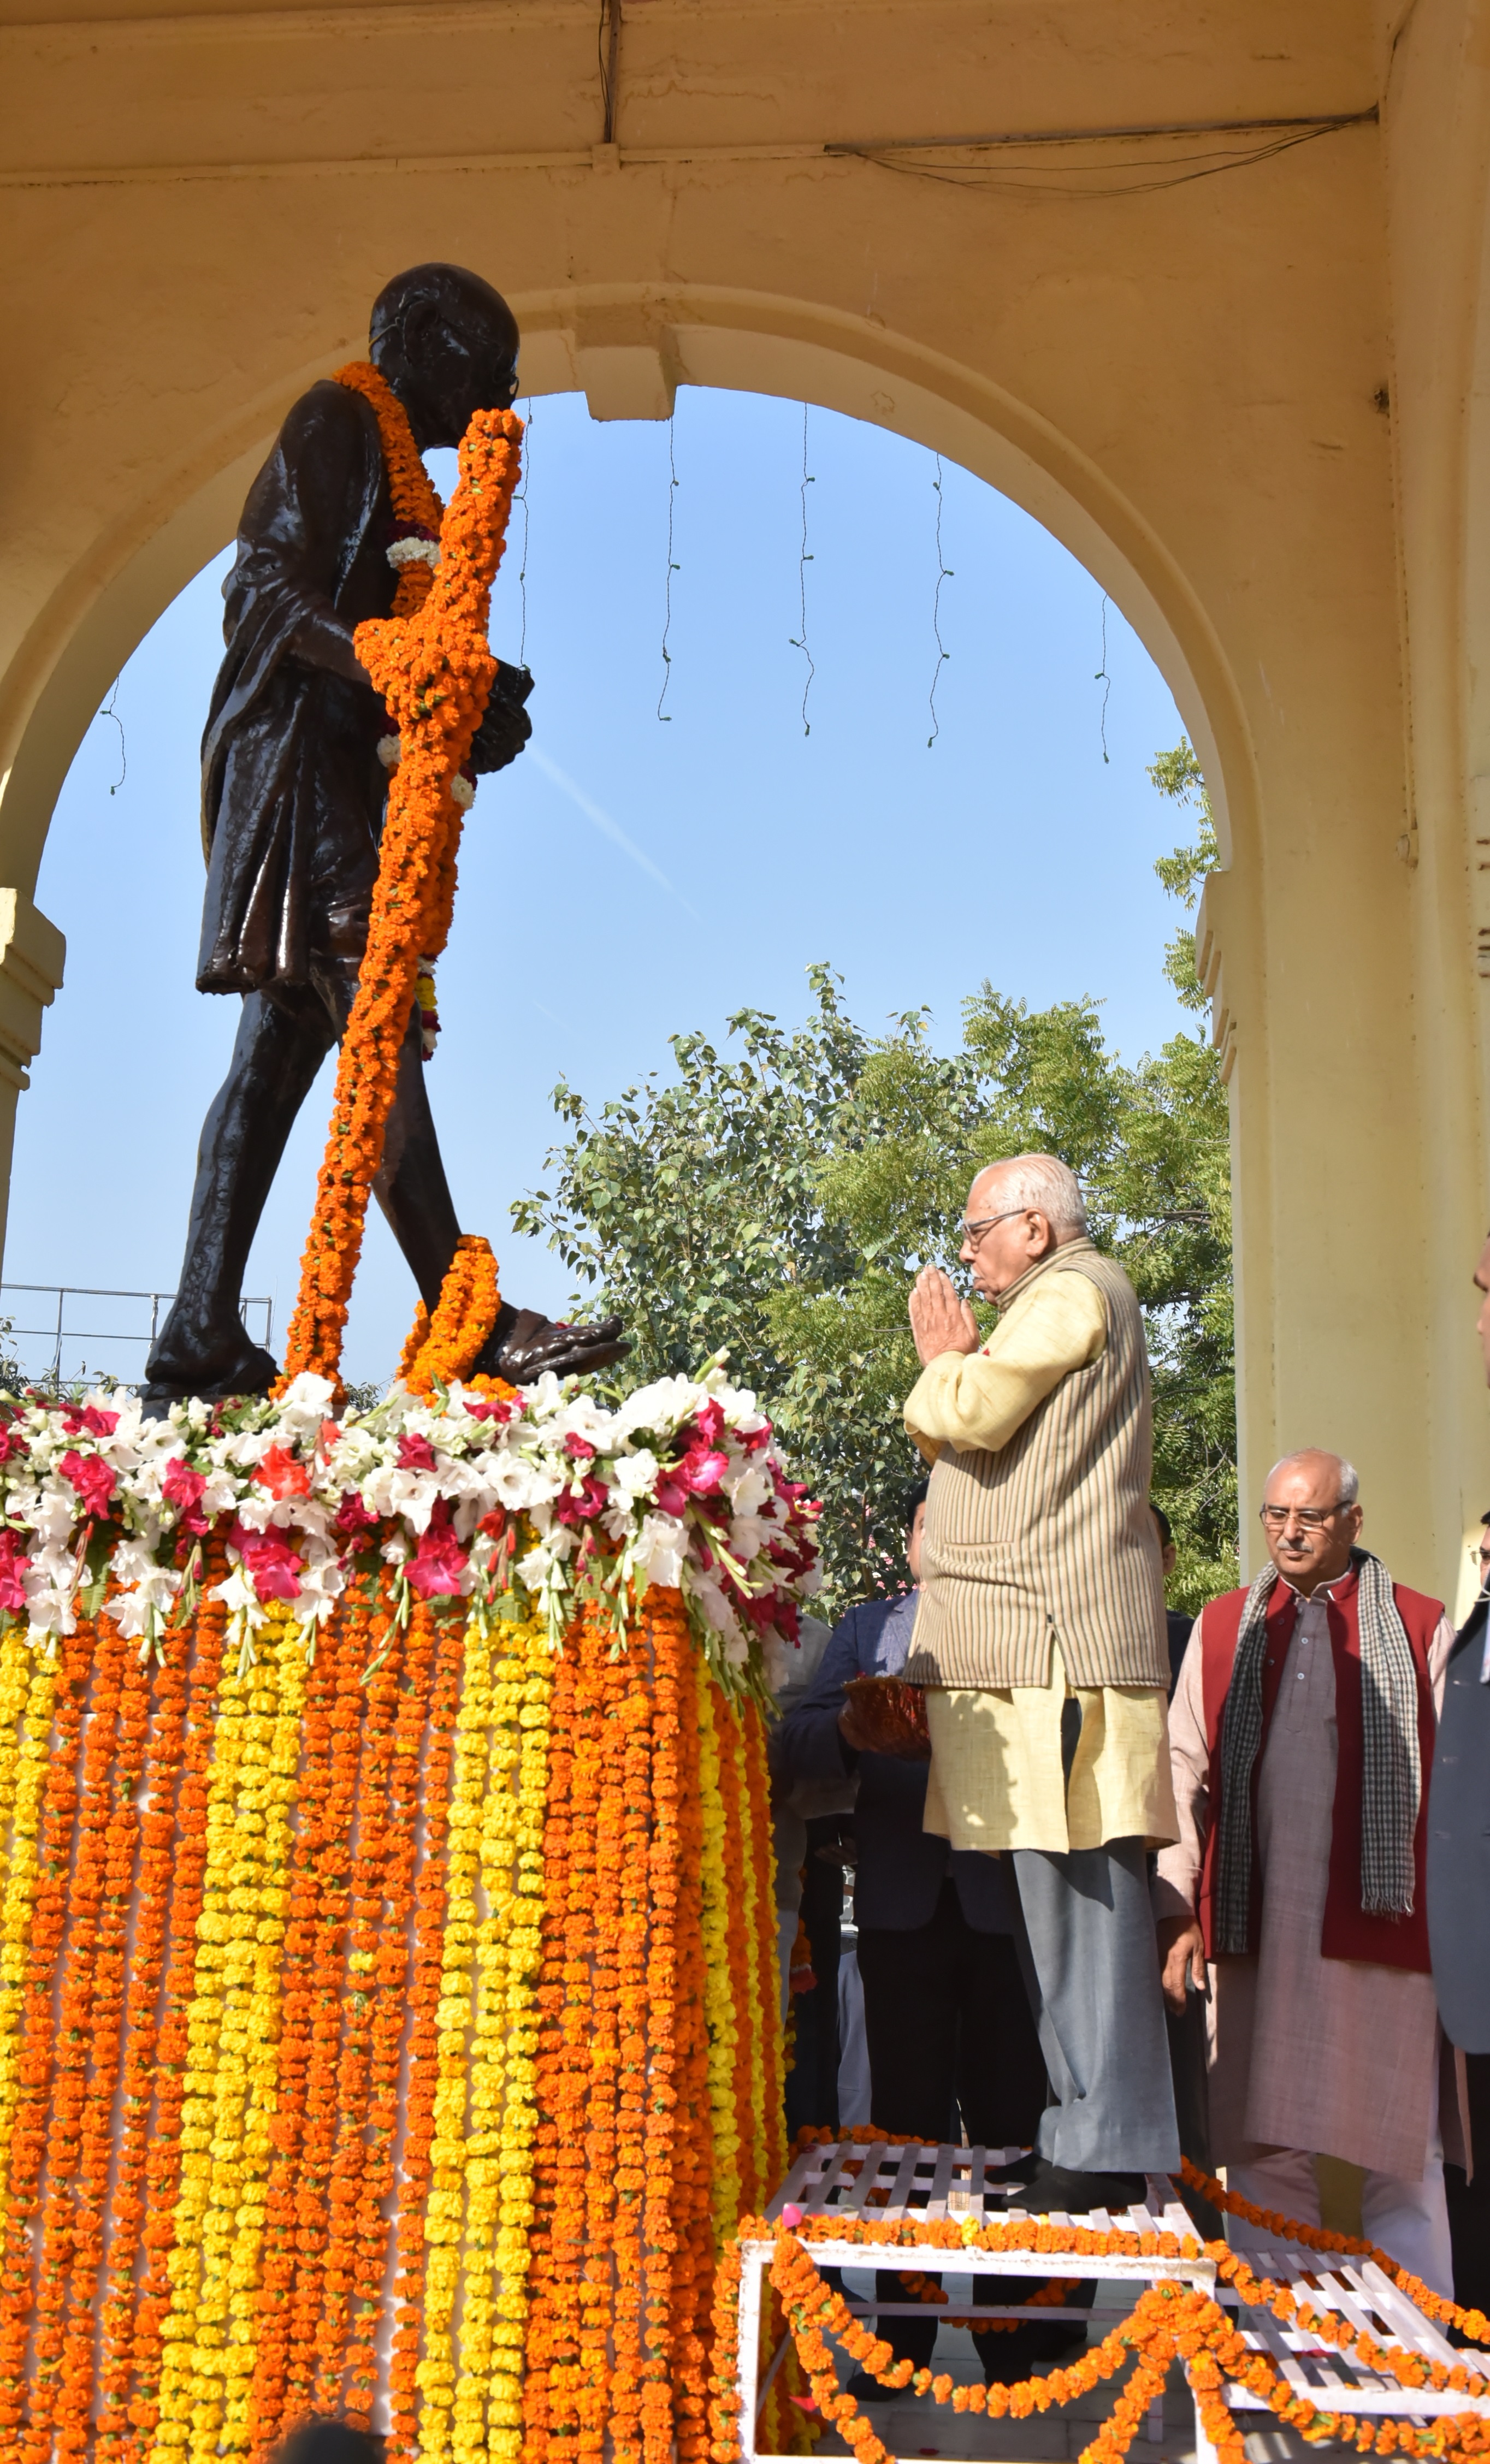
779,1198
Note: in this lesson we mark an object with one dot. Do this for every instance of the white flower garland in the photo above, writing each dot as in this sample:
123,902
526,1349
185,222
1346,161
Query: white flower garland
537,1502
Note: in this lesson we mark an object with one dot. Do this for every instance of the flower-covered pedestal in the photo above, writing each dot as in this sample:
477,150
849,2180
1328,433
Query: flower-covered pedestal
388,1990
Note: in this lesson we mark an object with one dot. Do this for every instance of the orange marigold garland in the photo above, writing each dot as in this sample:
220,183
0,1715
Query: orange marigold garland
330,1722
28,2135
153,1721
382,1879
71,2241
434,672
417,510
124,1766
679,2027
337,2149
443,1347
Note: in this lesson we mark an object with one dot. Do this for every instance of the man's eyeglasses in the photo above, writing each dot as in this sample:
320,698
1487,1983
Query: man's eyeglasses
972,1233
1313,1517
1479,1550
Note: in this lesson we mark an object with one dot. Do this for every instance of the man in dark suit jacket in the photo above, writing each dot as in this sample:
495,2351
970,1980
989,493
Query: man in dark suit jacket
946,2015
1458,1920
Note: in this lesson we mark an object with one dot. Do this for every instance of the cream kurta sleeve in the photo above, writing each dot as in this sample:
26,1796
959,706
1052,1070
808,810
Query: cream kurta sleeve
978,1399
1176,1888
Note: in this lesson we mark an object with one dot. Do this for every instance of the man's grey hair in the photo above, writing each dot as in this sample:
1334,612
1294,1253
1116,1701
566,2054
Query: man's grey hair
1043,1182
1350,1477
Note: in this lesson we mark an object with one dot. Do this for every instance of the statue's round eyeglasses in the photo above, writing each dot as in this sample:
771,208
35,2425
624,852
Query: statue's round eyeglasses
972,1233
1312,1517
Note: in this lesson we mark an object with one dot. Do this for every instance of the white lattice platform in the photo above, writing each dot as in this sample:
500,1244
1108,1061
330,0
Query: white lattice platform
894,2185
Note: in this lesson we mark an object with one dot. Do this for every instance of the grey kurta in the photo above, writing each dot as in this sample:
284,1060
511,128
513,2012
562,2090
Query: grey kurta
1337,2057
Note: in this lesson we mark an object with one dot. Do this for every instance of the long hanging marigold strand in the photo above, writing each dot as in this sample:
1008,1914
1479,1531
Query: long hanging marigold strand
188,1876
424,2032
29,2138
160,1751
121,1681
434,672
23,1889
382,1883
531,1667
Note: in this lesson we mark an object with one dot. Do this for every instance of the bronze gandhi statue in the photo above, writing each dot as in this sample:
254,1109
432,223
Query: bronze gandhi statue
292,812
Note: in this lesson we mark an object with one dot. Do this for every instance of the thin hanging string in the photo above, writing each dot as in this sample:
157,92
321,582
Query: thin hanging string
521,498
1103,679
108,711
944,574
666,715
804,559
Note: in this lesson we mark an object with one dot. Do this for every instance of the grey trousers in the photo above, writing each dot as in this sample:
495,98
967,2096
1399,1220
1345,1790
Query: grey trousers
1093,1980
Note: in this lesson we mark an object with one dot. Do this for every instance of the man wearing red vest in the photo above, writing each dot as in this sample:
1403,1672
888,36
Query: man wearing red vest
1302,1736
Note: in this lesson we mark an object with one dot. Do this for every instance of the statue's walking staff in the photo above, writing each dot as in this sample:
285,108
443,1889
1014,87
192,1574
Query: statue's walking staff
431,663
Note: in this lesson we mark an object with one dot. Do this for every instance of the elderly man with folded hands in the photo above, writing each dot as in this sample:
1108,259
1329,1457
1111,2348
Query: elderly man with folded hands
1041,1639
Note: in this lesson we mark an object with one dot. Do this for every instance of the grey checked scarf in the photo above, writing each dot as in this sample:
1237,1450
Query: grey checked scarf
1392,1780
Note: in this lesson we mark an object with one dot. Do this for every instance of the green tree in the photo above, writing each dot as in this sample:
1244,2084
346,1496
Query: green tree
780,1199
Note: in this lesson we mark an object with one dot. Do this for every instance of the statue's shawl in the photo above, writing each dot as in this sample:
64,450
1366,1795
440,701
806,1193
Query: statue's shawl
287,743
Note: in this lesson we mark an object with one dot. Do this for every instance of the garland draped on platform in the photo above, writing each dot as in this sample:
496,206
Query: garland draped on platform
1169,2321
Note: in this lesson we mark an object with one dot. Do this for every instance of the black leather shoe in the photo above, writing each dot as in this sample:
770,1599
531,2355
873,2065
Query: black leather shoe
1055,2190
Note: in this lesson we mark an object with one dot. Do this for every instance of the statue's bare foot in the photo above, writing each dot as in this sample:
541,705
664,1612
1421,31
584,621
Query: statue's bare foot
179,1369
524,1343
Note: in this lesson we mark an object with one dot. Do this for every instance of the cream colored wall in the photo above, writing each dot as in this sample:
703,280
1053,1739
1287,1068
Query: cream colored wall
196,208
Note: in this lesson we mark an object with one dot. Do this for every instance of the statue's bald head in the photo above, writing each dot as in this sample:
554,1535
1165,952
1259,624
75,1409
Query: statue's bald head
447,342
452,293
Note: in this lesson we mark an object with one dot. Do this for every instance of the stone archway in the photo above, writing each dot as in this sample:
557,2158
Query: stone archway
1190,380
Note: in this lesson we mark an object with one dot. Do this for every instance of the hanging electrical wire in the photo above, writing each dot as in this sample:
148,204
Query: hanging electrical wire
666,715
1103,679
108,711
944,574
804,559
996,168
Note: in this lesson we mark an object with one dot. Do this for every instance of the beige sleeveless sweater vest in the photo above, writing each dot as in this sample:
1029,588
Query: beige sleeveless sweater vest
1051,1532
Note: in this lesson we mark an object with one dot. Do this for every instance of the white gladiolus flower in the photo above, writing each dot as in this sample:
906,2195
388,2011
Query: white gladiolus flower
636,1475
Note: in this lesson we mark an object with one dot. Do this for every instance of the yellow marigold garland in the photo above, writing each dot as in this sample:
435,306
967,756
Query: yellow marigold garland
720,1919
528,1674
28,1684
191,2338
467,2085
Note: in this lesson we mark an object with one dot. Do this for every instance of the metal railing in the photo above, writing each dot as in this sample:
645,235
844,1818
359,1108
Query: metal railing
59,1333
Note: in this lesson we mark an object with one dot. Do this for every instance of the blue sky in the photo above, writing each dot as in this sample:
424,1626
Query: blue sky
630,879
